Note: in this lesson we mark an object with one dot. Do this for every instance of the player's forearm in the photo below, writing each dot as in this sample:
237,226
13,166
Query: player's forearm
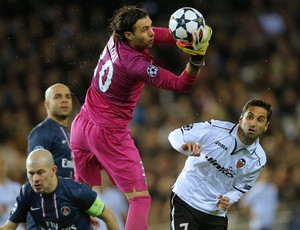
110,220
192,71
195,64
9,226
176,141
234,196
110,225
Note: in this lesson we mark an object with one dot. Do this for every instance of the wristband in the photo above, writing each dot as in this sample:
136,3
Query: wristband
197,61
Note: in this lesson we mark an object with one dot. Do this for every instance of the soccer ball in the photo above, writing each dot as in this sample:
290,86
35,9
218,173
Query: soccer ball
184,21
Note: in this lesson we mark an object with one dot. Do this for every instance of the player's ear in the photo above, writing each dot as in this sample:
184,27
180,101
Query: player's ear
266,127
46,104
54,169
128,35
240,119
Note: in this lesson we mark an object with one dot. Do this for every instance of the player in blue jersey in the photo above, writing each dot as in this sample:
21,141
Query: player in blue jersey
52,134
225,160
56,202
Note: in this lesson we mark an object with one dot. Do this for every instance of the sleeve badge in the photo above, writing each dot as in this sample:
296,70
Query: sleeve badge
187,127
152,70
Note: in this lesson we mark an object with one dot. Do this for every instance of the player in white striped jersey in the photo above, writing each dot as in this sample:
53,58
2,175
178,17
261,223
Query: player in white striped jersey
225,160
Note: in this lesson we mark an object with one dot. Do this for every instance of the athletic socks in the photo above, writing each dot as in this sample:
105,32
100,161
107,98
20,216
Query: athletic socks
137,217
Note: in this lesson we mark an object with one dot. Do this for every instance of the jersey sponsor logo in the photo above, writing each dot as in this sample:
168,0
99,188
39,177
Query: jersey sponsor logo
73,227
221,145
152,70
65,210
53,225
65,163
225,171
240,163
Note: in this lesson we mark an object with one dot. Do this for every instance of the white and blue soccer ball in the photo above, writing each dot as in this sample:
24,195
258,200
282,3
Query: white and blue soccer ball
183,21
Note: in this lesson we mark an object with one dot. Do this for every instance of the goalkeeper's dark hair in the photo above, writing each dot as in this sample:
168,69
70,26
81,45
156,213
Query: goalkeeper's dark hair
124,19
259,103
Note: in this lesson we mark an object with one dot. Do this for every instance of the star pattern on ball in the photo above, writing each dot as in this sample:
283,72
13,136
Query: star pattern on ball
182,22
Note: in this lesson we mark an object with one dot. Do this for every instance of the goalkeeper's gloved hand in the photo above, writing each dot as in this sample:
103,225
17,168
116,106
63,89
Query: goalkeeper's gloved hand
199,44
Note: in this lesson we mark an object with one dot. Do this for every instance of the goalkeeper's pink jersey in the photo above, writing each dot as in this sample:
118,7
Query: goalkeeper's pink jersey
120,76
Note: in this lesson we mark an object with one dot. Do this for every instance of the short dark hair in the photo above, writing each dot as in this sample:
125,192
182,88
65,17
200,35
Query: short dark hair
260,103
124,19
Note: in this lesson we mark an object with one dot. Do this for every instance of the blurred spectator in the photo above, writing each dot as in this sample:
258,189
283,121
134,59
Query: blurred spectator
261,202
114,199
9,189
294,223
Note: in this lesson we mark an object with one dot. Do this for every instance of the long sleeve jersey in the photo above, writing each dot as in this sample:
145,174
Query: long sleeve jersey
65,208
119,79
54,137
226,166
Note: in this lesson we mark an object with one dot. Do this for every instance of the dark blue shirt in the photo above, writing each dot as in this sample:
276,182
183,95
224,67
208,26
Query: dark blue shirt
55,138
62,209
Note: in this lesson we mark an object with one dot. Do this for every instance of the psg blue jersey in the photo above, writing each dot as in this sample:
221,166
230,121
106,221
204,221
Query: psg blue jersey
54,137
62,209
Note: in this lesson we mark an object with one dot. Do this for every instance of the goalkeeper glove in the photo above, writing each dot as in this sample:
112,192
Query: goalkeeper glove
199,44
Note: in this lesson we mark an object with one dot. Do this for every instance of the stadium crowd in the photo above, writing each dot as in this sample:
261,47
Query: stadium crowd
254,52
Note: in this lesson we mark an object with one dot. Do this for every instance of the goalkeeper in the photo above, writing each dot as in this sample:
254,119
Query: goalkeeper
56,202
100,137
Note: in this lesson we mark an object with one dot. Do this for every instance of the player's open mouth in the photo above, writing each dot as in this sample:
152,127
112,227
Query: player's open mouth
252,131
37,187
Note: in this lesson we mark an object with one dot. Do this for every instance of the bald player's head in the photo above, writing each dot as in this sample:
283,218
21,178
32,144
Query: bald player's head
41,171
58,102
40,156
53,88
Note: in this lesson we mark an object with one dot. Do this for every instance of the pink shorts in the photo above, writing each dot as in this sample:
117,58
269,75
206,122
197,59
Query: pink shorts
95,148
